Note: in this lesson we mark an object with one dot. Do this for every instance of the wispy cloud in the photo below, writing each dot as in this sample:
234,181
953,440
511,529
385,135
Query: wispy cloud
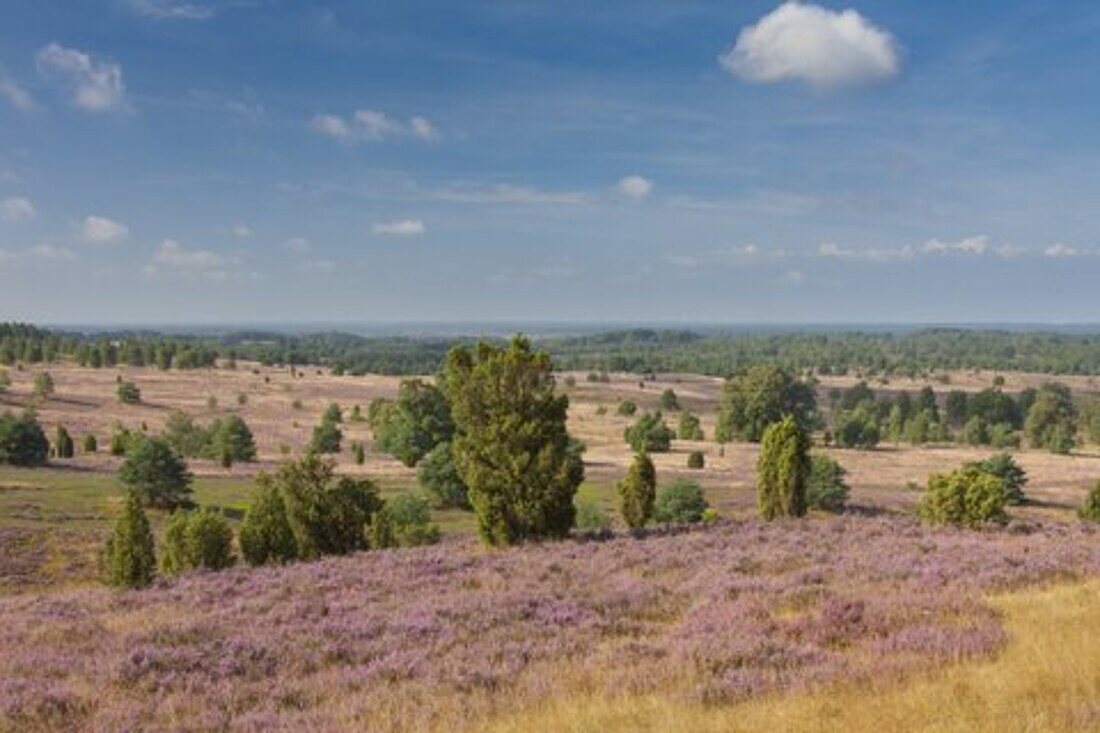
814,45
101,230
16,95
96,86
170,10
17,208
399,228
241,231
173,257
368,125
510,194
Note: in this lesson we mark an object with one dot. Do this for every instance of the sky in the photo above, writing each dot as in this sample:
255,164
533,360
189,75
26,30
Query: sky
259,161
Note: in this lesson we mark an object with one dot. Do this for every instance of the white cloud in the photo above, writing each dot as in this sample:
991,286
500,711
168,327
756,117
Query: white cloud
50,252
976,245
635,187
242,231
1063,250
811,44
368,125
171,256
167,10
834,250
16,95
399,228
794,277
17,209
510,194
96,85
298,245
101,230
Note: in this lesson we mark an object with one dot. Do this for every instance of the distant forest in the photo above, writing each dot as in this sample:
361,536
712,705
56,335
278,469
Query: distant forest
637,350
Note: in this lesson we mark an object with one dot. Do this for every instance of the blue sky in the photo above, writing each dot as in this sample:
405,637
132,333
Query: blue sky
268,160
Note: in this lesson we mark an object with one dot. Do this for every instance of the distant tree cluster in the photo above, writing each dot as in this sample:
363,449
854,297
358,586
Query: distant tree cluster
226,439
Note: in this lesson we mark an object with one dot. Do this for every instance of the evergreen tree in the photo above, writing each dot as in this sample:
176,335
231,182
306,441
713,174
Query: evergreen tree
64,443
22,442
1052,420
751,401
783,469
265,533
638,491
129,557
157,473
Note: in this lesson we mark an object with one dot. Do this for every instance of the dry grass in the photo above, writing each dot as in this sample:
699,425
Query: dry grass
1047,679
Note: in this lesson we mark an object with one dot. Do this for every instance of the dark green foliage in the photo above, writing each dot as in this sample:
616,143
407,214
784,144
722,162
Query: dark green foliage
332,414
760,396
1012,476
826,489
782,470
1090,510
403,521
359,453
194,540
975,432
680,502
858,427
43,385
129,558
417,421
925,427
650,434
326,515
1002,435
689,427
265,535
696,460
926,403
22,442
90,444
627,408
63,443
226,439
638,491
856,395
669,402
966,497
128,393
956,407
1090,421
440,479
1052,420
326,438
511,446
157,473
121,440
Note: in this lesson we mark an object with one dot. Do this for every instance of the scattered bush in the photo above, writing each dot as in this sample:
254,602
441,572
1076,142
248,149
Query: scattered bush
194,540
649,434
326,438
1090,510
966,497
157,474
696,460
265,534
403,521
627,408
22,441
63,443
90,444
121,440
638,491
1052,419
689,427
782,470
440,479
752,401
669,401
591,517
358,453
858,427
129,558
332,414
826,489
680,502
1012,476
43,385
128,393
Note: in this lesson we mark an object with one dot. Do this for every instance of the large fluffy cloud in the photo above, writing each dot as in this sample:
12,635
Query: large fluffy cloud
811,44
96,85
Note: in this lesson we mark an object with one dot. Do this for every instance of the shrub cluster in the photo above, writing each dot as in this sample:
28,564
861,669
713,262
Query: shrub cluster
649,434
966,497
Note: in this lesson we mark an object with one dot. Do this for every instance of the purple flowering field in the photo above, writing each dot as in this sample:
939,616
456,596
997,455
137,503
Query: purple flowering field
448,635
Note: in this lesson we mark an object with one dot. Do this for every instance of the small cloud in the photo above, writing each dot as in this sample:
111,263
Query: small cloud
811,44
1063,250
96,85
745,250
101,230
368,125
635,187
167,10
242,231
976,245
50,253
509,194
17,209
16,95
171,256
400,228
298,245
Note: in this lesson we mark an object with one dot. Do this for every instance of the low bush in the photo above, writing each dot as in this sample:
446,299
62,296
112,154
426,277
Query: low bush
1090,510
591,517
22,441
696,460
966,497
129,558
649,434
403,521
680,502
826,489
194,540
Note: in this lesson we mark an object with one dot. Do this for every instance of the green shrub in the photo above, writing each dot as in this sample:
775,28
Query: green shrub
332,414
782,470
157,473
826,489
1004,467
265,533
358,453
1003,435
680,502
689,427
649,434
440,479
128,393
63,443
858,427
326,438
637,492
1052,419
194,540
129,557
121,440
591,517
966,497
43,386
22,442
669,401
627,408
696,460
403,521
975,432
90,444
1090,510
414,423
